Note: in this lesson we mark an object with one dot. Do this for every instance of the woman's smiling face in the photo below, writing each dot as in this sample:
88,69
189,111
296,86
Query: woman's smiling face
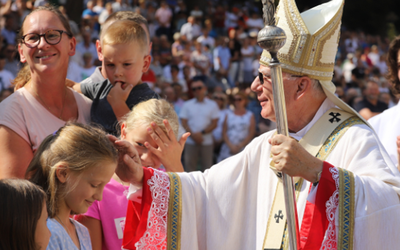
46,58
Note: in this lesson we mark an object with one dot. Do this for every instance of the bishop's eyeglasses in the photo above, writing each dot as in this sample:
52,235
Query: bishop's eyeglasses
262,76
52,37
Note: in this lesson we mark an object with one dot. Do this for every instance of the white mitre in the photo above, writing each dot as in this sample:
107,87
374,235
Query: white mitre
311,43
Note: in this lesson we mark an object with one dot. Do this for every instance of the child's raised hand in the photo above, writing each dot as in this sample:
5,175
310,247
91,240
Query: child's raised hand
169,150
129,167
118,94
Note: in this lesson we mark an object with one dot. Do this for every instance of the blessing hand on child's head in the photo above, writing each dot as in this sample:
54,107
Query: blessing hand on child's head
129,167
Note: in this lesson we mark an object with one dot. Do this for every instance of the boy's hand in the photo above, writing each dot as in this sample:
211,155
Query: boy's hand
70,83
118,95
129,168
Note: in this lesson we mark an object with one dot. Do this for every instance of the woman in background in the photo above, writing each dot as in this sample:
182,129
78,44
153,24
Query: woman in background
239,127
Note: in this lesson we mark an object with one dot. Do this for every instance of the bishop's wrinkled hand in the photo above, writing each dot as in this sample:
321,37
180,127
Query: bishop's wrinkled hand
292,159
129,167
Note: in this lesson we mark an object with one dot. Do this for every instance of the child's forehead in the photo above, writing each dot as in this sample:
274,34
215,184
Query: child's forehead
124,47
99,172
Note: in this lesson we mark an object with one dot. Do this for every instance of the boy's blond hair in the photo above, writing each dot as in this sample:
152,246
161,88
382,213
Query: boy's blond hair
125,15
123,32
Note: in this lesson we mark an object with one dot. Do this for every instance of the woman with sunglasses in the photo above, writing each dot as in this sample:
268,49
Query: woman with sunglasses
239,127
44,104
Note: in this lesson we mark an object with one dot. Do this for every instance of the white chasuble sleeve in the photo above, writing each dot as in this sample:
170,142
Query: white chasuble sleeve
376,185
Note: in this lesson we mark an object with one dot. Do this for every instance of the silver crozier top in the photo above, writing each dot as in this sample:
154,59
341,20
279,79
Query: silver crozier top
270,38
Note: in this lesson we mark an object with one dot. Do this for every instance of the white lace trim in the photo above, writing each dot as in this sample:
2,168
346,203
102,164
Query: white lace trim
331,206
155,236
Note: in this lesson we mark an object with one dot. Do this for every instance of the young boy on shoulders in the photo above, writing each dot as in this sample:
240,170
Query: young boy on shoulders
100,75
124,54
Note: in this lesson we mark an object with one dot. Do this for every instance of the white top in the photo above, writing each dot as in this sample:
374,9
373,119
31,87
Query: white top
217,132
201,59
238,128
73,71
91,49
191,31
5,79
255,23
387,127
163,15
23,114
199,115
210,41
374,57
9,35
85,73
247,61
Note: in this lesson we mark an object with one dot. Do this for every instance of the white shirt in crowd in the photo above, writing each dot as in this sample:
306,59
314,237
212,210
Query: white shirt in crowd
5,79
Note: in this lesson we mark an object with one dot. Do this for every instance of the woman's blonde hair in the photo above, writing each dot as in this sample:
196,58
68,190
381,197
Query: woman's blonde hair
23,77
75,146
152,110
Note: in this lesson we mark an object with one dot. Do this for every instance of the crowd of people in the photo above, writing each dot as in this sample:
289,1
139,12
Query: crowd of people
217,43
147,83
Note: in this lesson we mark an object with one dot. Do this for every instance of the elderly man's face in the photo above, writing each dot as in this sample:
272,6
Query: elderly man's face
265,95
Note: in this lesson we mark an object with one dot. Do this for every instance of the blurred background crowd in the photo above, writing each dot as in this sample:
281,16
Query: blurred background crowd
215,41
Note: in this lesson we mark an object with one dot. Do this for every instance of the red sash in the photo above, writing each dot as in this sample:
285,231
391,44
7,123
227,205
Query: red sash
137,215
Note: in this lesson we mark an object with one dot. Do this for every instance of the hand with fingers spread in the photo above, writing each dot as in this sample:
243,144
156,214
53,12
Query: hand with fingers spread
169,150
292,159
129,167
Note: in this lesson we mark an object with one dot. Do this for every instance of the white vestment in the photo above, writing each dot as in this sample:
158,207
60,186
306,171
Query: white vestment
387,127
228,206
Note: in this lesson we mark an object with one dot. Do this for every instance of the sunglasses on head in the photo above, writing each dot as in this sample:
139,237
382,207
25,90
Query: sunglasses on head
197,88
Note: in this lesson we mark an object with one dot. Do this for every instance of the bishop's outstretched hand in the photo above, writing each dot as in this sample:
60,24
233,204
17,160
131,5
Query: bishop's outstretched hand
129,167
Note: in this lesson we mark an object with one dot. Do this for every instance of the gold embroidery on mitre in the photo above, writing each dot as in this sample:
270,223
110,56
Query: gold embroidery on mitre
299,31
320,39
304,53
